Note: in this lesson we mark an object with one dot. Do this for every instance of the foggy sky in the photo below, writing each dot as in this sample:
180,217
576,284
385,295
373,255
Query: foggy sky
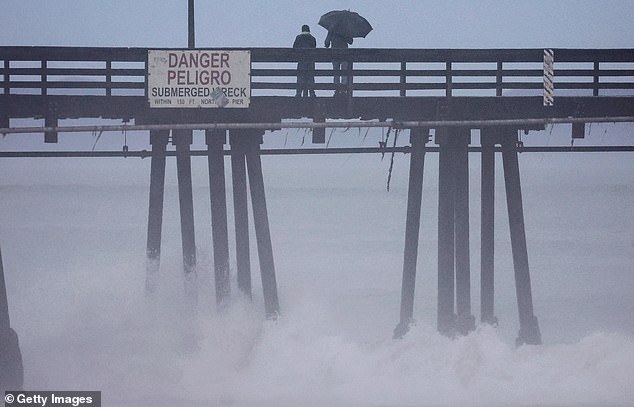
242,23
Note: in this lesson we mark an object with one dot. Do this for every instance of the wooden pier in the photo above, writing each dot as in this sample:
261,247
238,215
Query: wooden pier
498,91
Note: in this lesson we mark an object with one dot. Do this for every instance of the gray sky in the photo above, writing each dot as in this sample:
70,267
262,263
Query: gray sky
397,23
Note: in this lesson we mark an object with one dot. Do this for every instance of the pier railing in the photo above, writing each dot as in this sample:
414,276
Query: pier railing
374,72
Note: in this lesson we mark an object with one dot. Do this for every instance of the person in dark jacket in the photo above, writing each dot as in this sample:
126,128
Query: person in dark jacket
334,40
305,68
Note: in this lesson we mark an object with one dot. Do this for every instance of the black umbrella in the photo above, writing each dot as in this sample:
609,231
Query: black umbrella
346,23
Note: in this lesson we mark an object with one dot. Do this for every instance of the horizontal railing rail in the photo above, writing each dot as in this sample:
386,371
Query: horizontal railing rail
373,72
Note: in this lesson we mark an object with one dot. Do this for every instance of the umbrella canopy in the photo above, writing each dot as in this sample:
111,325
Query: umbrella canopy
345,23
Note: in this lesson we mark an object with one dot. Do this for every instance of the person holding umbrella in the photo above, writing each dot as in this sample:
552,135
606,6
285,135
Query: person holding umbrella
343,26
305,69
336,40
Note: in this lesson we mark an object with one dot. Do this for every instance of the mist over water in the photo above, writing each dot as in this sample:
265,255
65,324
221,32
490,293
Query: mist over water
73,242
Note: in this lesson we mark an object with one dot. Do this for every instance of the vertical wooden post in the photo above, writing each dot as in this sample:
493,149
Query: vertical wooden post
108,78
418,139
191,31
5,73
4,119
261,223
529,329
44,77
216,163
403,90
5,321
595,78
158,140
465,322
11,367
448,79
319,133
499,82
6,89
240,210
446,193
487,226
50,137
183,140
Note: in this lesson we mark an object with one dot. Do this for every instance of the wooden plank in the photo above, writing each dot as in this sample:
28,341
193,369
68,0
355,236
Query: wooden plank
523,72
474,85
614,85
73,54
78,71
76,85
523,85
255,72
615,72
591,55
325,55
400,55
396,86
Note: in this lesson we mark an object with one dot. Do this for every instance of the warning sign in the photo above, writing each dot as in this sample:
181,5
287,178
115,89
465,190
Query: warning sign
199,78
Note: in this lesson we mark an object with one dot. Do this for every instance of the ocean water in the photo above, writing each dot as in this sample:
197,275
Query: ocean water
73,244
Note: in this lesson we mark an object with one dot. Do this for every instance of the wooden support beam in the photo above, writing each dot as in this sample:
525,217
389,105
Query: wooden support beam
529,329
487,226
50,137
215,148
158,141
446,233
261,223
4,119
11,367
240,210
5,321
465,322
528,123
319,133
183,139
418,138
578,130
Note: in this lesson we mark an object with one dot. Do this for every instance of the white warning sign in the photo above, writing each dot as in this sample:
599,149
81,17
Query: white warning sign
199,78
